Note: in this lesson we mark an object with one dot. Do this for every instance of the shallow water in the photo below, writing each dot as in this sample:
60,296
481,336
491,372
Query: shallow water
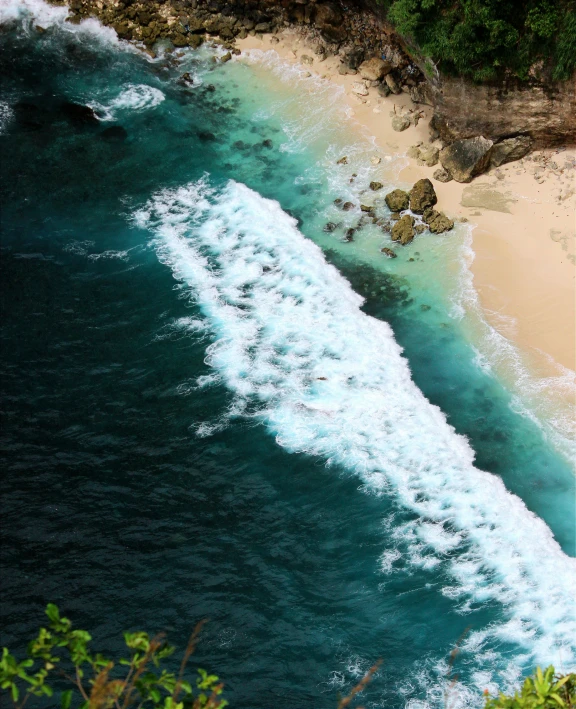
203,418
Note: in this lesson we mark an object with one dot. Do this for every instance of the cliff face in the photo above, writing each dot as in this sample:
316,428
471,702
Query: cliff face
356,30
546,112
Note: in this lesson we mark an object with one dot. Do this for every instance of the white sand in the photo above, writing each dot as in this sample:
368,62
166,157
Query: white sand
524,268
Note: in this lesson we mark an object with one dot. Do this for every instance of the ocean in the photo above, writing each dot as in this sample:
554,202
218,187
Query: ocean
213,407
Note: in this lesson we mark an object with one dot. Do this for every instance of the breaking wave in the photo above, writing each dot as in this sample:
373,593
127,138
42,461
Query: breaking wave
293,345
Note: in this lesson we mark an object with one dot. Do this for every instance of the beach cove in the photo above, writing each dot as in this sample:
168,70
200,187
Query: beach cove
220,408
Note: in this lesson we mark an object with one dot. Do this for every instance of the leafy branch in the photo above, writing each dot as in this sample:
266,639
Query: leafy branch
60,651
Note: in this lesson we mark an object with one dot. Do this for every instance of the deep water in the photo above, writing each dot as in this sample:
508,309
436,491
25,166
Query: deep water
196,419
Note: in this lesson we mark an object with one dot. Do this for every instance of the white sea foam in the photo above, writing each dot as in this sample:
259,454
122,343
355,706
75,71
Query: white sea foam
133,97
331,381
37,12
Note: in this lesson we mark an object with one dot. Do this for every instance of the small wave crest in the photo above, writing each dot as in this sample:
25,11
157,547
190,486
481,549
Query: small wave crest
326,379
134,97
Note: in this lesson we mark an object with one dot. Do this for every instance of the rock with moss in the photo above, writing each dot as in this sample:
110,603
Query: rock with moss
403,230
437,222
397,200
422,196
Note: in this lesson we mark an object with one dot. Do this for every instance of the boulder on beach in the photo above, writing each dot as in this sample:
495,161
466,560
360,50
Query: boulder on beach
422,196
437,222
442,175
374,69
464,159
397,200
400,123
392,84
510,149
359,88
429,155
403,230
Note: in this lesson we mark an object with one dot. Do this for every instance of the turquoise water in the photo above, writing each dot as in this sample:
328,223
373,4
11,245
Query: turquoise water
204,418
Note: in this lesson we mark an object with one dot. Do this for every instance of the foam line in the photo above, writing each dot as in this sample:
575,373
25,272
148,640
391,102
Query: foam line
329,380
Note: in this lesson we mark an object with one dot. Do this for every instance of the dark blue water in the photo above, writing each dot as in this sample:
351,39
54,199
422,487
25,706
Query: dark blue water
130,497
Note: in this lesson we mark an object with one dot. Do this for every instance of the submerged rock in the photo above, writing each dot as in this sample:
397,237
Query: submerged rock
114,133
389,252
329,227
422,196
397,200
347,206
465,159
342,161
403,230
77,113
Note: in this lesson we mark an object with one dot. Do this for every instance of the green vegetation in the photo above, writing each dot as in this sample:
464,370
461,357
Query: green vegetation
59,652
544,690
485,39
62,653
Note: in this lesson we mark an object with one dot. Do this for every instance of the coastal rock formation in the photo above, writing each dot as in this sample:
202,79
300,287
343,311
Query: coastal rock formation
400,123
465,159
422,196
510,149
543,109
437,222
397,200
389,252
442,175
403,230
374,69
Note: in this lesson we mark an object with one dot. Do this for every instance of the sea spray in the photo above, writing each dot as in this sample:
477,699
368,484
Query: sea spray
328,380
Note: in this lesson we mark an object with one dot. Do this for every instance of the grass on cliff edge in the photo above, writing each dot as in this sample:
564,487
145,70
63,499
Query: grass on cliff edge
62,653
487,39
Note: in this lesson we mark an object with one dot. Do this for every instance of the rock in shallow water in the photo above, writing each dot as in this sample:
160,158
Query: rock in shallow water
403,230
397,200
422,196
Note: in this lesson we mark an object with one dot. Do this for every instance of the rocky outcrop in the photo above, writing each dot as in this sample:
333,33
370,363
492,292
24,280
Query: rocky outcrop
422,196
403,230
510,149
437,222
397,200
464,159
542,109
374,69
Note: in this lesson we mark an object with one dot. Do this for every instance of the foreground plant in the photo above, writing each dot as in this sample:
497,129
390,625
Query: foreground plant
544,690
98,682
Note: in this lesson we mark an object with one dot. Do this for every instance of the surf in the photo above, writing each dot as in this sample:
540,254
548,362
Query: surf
325,379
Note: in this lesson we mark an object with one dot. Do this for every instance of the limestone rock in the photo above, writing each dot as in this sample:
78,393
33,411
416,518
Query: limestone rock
421,93
305,59
466,158
403,230
422,196
442,175
397,200
389,252
359,88
392,84
374,69
510,149
437,222
375,186
342,161
429,155
400,123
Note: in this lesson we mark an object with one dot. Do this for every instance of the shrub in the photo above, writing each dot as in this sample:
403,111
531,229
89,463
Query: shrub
483,39
97,682
544,690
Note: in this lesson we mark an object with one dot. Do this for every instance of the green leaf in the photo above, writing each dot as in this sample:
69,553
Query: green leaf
52,612
66,699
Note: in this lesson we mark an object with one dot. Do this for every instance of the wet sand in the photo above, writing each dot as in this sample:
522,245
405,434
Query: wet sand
524,266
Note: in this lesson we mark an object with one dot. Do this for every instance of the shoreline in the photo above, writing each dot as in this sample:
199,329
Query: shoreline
523,238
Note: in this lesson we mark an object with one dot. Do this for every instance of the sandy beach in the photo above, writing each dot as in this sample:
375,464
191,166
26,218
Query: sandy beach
524,266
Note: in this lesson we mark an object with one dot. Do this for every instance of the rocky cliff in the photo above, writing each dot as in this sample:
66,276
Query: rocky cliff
356,31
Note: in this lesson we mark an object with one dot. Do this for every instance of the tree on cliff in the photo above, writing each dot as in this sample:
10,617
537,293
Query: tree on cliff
485,39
